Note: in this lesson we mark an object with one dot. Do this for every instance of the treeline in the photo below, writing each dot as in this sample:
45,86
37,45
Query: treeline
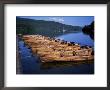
89,29
46,28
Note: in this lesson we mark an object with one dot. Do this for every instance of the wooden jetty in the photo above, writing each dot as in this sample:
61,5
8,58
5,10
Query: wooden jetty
51,49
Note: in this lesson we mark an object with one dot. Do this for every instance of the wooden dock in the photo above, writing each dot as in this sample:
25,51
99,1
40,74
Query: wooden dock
51,49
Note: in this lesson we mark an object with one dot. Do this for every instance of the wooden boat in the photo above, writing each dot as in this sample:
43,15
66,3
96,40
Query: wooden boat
49,50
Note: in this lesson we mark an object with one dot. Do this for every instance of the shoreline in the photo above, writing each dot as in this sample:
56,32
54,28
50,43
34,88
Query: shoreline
18,65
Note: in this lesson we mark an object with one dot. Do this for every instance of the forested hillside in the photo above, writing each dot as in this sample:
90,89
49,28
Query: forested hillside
46,28
89,29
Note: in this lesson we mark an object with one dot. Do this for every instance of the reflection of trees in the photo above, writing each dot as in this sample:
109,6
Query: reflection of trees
89,30
91,36
49,65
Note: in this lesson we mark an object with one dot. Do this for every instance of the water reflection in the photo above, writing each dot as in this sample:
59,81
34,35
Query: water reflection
81,38
50,65
90,35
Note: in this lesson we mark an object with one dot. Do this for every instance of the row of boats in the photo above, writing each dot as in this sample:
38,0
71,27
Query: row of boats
52,49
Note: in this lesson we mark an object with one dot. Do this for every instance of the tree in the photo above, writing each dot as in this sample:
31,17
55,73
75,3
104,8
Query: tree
89,29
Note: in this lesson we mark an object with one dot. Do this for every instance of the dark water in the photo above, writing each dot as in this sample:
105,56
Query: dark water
31,64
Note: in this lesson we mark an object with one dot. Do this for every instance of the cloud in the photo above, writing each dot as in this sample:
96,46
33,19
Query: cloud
57,19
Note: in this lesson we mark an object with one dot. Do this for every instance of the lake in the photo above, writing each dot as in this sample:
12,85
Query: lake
81,38
31,64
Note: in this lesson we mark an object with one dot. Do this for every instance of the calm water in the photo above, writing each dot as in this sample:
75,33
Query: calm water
80,38
31,64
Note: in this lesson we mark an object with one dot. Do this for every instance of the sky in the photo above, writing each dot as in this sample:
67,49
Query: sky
69,20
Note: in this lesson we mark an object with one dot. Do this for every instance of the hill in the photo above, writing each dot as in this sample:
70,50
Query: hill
47,28
89,29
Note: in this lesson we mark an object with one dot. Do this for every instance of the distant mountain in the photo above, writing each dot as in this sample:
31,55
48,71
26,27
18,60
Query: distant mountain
46,28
